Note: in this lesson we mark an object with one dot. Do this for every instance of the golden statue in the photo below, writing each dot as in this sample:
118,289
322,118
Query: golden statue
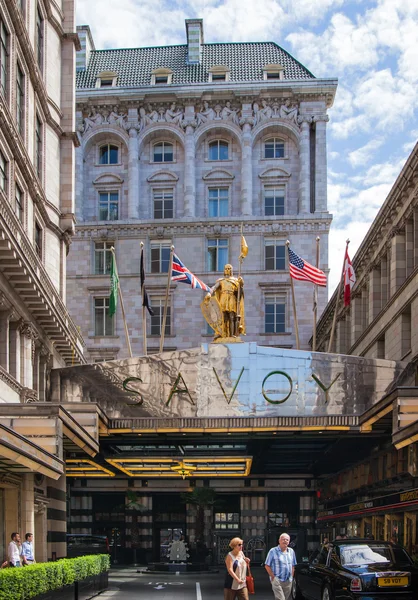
223,307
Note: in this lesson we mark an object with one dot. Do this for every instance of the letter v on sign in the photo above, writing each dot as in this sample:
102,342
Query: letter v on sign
228,400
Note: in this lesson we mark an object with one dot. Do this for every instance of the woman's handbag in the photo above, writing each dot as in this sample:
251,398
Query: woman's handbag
249,580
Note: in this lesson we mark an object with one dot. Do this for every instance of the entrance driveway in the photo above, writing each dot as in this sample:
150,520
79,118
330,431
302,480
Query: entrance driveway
127,584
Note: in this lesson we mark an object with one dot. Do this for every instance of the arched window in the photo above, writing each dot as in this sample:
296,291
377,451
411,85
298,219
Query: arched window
109,155
163,152
274,148
218,150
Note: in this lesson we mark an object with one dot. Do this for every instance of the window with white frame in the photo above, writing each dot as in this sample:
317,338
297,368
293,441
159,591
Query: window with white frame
108,154
102,257
4,57
106,79
162,152
38,146
38,239
19,202
20,99
275,255
275,313
104,325
274,201
40,39
108,206
3,173
160,257
163,203
157,305
217,254
218,150
274,148
161,76
218,202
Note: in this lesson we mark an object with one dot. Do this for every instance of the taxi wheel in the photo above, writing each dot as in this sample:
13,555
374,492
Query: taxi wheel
327,594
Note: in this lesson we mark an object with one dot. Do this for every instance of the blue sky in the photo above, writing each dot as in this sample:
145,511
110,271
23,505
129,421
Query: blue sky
371,46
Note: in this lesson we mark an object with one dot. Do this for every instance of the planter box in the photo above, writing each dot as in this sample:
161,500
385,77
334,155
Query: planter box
80,590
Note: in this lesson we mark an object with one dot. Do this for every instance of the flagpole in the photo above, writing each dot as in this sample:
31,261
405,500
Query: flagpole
128,341
334,320
315,299
170,268
144,322
294,304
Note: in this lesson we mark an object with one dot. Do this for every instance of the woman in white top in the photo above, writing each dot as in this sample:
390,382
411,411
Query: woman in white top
236,571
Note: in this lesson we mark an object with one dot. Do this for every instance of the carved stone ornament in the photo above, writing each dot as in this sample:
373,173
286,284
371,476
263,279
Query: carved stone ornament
28,396
277,108
151,114
27,329
219,112
103,116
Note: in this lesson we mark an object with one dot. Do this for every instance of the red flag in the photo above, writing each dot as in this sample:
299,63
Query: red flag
349,278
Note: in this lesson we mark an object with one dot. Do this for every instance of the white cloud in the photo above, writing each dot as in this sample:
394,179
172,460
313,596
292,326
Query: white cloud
365,154
355,232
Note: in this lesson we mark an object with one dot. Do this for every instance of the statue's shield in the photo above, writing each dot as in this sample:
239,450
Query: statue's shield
211,310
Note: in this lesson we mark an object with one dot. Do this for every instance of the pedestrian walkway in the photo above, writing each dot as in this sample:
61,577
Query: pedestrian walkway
128,584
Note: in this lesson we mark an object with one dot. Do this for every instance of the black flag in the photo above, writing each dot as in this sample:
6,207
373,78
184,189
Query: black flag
145,301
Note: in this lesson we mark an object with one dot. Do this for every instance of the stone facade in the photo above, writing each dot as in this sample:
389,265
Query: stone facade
382,320
225,147
37,141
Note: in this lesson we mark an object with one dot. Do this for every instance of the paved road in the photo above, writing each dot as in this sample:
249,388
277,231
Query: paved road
127,584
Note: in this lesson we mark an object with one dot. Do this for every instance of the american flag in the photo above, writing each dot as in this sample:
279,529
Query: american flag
180,272
302,270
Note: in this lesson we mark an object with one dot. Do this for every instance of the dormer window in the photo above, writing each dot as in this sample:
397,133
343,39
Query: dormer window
218,73
162,76
106,79
273,72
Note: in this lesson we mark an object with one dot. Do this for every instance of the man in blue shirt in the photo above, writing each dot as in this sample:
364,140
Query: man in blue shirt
27,550
280,565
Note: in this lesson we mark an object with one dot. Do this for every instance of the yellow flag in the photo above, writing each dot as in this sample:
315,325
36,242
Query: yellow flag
244,247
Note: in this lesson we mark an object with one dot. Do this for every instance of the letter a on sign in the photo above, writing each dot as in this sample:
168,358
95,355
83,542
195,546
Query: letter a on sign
178,390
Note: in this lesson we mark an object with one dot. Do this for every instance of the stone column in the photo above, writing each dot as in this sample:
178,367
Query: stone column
375,293
342,344
45,357
4,338
307,516
415,236
36,369
409,240
28,337
28,505
57,518
384,288
189,172
15,344
79,183
305,165
398,262
246,170
133,175
321,162
357,318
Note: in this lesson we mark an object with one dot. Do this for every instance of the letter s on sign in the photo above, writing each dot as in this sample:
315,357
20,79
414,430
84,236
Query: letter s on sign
132,390
264,392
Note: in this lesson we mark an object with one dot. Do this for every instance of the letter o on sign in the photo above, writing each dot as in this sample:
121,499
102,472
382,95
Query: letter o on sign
264,392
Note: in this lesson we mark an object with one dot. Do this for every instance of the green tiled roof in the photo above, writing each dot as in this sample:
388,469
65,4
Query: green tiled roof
245,61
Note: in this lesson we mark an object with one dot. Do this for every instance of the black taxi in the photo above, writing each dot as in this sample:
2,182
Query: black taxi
360,569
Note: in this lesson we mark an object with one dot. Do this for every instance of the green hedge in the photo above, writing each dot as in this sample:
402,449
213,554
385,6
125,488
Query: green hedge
27,582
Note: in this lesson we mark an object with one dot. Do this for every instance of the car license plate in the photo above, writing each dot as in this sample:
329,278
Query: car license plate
392,581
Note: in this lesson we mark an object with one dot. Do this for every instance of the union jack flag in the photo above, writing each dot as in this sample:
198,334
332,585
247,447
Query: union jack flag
181,273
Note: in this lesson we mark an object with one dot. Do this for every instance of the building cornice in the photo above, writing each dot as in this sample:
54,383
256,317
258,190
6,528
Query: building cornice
305,90
228,226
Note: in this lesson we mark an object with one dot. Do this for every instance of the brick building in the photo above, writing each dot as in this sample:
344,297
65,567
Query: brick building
179,145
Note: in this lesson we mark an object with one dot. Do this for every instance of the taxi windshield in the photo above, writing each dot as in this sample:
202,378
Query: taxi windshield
364,554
